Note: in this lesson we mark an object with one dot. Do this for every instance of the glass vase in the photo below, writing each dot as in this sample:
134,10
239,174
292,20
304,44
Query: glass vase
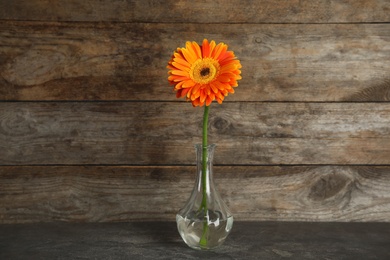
205,221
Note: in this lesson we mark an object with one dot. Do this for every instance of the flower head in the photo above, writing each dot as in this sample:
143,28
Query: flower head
204,73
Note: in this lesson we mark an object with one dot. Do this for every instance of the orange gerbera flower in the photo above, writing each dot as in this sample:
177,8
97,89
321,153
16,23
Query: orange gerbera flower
204,73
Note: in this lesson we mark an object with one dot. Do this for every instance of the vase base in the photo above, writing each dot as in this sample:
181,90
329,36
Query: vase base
199,236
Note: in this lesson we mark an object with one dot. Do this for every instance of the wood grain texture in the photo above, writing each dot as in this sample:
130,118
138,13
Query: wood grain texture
110,61
221,11
259,193
141,133
160,240
302,139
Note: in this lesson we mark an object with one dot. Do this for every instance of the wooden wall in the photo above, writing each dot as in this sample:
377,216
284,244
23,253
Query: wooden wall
90,130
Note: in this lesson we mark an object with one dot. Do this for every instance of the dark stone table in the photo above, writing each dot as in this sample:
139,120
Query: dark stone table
160,240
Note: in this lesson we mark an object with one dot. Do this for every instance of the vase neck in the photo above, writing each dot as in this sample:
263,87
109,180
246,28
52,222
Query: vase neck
205,154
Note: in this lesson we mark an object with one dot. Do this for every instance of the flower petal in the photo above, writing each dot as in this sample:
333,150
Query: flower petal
184,92
180,73
189,83
175,78
202,96
189,55
217,51
223,78
180,66
208,101
196,49
205,48
211,47
182,61
213,87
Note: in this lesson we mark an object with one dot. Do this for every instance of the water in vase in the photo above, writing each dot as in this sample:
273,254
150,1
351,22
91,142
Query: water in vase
193,229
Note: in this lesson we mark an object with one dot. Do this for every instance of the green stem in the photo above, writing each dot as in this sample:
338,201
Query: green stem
203,240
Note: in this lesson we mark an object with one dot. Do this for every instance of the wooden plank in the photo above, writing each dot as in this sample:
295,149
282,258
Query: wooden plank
247,11
144,133
111,61
260,193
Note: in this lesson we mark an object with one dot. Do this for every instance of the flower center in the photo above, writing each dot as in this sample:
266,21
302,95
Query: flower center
204,70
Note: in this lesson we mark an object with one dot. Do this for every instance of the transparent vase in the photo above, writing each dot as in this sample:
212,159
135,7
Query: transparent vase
205,221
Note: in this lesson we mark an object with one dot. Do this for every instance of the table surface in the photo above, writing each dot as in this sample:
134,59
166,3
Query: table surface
160,240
